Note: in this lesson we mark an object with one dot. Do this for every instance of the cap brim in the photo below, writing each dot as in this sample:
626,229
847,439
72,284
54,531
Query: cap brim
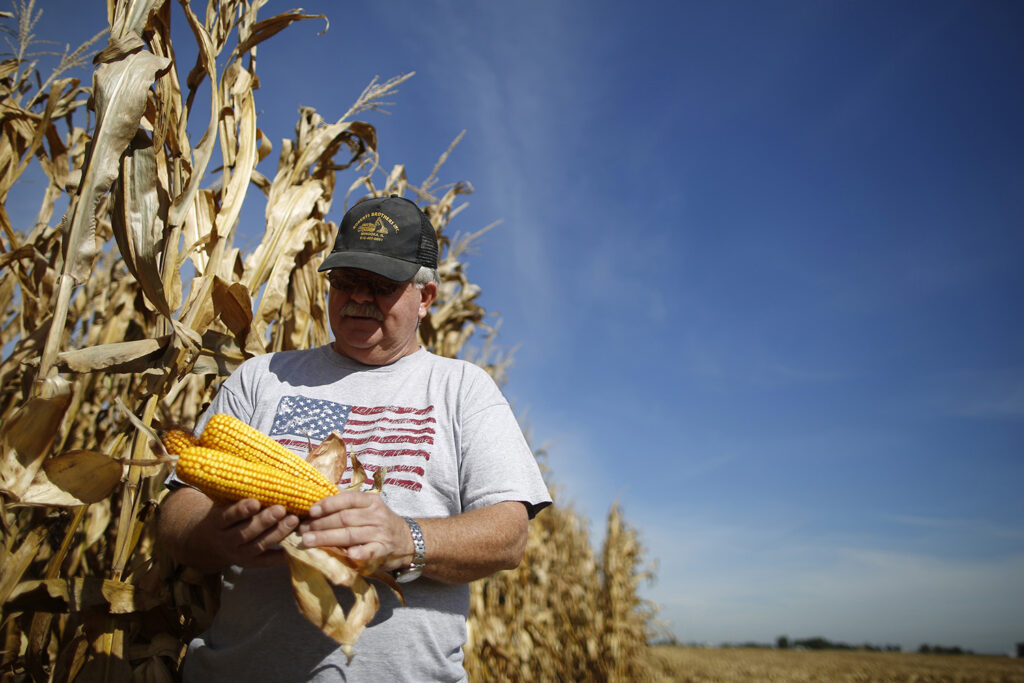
385,266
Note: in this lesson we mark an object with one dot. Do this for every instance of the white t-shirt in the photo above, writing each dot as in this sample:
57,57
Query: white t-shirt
450,444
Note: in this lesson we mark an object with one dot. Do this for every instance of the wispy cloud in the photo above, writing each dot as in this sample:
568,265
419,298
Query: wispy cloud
1003,402
980,394
961,527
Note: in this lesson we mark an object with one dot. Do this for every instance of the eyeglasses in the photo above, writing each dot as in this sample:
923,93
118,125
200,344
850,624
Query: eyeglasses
348,282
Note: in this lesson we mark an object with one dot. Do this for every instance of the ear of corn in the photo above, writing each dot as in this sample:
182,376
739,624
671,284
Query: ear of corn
232,460
229,477
231,435
177,440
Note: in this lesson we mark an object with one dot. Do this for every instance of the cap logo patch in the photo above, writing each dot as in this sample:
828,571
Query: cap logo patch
375,226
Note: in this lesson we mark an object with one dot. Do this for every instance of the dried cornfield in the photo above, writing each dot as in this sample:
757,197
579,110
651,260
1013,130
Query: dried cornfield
124,301
739,665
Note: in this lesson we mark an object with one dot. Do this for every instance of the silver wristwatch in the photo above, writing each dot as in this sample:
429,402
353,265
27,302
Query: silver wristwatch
419,555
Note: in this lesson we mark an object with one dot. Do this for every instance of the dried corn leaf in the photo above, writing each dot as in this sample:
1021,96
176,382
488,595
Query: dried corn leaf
27,436
198,311
97,520
275,290
119,91
361,613
24,252
215,365
78,477
130,18
330,457
239,84
198,228
252,34
75,595
170,124
313,572
287,209
233,305
8,67
263,149
136,220
317,602
119,47
358,475
303,312
15,565
129,356
34,130
221,348
206,64
331,562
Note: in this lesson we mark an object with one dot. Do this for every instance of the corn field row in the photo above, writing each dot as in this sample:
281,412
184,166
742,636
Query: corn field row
124,300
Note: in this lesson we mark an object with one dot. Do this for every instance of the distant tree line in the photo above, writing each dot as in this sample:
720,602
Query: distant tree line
943,650
820,643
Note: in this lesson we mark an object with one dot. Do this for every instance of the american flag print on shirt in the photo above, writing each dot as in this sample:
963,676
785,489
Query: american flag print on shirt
396,437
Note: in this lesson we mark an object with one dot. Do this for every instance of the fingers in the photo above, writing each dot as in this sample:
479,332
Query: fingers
345,500
266,521
343,537
361,523
371,553
239,511
350,526
249,535
267,530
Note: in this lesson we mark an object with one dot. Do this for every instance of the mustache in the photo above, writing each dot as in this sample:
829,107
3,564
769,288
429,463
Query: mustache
357,310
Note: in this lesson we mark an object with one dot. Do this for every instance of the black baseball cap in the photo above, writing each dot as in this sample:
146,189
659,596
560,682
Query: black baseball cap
388,236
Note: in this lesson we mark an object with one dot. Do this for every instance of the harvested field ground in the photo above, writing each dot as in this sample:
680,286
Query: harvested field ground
724,665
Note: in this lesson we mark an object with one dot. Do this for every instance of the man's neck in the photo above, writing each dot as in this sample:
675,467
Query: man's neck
373,357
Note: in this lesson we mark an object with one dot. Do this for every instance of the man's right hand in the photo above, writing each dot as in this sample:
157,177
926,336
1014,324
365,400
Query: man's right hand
211,537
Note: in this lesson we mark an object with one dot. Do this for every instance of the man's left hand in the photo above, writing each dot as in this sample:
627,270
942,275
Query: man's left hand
362,524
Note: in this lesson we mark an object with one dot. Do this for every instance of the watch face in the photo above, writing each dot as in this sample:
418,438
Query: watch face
408,575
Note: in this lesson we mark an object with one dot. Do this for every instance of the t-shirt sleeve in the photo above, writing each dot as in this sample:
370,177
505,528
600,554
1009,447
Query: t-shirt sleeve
497,464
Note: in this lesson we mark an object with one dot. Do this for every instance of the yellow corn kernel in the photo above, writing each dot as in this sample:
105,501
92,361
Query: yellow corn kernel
175,440
228,477
229,434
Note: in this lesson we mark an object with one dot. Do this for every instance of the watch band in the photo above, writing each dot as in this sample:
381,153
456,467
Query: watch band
419,555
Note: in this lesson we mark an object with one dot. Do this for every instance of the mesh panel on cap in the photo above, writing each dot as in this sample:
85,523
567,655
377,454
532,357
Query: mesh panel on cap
428,243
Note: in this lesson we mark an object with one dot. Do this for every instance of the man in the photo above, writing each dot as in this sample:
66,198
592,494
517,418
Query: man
460,487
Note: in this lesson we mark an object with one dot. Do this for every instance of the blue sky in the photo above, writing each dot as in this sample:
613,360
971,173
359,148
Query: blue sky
762,266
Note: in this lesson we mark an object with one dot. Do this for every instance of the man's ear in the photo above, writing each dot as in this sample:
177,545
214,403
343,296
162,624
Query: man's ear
428,295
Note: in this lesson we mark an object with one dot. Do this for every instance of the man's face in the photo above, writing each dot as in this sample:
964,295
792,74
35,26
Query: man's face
374,319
